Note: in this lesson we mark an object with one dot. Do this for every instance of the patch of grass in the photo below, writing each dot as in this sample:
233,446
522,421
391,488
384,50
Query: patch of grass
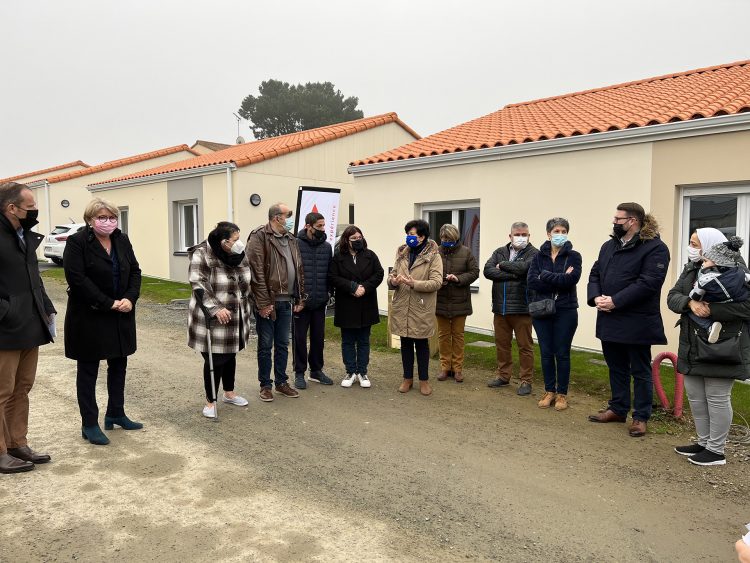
152,289
588,372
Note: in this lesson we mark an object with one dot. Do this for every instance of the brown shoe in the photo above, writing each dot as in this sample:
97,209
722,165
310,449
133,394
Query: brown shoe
606,416
424,388
287,391
561,402
443,375
458,377
10,464
546,401
266,394
27,454
406,385
637,428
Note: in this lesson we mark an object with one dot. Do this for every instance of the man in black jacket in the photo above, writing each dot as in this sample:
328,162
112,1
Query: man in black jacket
316,256
26,318
625,287
507,268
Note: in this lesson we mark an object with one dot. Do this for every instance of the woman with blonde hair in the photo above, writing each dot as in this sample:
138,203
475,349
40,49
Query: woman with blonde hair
460,270
104,281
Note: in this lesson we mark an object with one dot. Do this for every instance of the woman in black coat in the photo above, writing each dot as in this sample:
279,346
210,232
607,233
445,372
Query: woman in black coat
355,273
104,282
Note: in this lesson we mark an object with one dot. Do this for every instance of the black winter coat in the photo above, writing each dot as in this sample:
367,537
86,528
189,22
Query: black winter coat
547,278
345,276
24,305
633,276
93,331
734,318
454,298
509,289
316,257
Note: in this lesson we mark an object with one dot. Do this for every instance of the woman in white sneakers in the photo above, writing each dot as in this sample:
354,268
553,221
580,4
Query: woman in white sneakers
220,268
355,274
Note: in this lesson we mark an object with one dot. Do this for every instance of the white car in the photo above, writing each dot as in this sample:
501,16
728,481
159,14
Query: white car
54,243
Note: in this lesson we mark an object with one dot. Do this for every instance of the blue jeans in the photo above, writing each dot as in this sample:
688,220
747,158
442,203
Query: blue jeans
355,349
274,334
624,360
555,335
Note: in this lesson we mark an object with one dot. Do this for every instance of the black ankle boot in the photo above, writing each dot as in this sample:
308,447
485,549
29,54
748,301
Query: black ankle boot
122,421
94,435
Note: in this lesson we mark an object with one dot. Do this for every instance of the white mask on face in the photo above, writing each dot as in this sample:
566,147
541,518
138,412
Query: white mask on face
694,254
238,247
519,243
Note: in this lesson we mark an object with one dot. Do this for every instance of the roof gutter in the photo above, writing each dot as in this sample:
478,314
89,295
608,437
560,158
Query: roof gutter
177,175
645,134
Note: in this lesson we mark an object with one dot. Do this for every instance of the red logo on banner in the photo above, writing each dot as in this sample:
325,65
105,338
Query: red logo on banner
315,208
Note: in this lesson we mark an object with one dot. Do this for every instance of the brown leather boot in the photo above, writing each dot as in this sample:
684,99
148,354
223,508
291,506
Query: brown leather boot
406,385
458,377
424,388
443,375
561,403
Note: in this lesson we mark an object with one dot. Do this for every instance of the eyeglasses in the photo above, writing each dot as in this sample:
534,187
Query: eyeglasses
618,219
352,239
287,214
105,218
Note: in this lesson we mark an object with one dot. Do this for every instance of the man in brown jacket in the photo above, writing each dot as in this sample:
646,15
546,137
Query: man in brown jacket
278,288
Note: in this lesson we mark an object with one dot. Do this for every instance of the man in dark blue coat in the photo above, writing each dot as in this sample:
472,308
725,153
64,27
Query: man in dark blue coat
625,287
26,322
316,256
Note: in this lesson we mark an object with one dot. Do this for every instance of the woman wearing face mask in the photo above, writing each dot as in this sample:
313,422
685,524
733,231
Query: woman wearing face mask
104,282
709,381
220,267
460,270
553,274
355,274
417,276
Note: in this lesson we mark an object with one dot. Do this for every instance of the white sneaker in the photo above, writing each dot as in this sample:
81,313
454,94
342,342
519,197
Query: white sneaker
209,412
348,380
363,380
714,332
236,400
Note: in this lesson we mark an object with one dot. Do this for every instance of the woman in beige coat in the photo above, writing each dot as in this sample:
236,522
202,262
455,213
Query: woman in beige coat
417,275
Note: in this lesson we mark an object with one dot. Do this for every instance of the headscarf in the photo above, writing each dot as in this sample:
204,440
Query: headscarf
709,237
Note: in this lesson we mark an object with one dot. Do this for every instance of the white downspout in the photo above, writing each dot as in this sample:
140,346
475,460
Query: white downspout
46,203
230,196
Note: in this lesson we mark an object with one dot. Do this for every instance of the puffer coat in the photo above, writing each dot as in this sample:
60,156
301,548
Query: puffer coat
454,298
510,294
316,257
734,318
413,309
225,287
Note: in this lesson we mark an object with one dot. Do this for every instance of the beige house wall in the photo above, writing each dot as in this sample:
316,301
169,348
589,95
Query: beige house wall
718,161
583,186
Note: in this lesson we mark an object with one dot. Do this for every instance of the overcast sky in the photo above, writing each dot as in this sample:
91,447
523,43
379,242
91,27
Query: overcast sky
99,80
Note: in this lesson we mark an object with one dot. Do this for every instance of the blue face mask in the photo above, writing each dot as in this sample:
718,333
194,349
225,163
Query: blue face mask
289,224
559,240
448,243
412,241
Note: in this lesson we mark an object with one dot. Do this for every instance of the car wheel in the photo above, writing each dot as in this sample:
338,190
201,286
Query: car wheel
57,261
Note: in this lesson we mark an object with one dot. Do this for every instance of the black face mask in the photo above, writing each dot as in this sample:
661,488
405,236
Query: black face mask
619,230
357,245
28,222
319,235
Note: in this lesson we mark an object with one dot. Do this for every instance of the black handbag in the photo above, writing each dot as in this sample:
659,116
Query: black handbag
725,351
544,308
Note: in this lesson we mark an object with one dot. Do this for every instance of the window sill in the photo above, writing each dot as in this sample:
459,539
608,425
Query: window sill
180,253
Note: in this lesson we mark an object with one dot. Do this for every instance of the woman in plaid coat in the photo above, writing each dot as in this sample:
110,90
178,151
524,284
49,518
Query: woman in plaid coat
219,267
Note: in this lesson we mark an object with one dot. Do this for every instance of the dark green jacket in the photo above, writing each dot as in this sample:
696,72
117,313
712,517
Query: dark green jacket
734,318
454,298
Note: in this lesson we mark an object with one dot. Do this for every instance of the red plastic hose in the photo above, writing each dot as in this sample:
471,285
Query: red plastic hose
679,383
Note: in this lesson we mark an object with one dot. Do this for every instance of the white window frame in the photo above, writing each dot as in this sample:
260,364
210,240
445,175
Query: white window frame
741,191
181,206
126,211
454,207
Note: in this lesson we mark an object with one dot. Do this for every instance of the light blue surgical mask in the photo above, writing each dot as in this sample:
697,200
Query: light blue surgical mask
289,224
412,241
558,239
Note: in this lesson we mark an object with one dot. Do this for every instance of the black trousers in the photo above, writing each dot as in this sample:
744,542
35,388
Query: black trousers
422,346
86,376
314,321
225,366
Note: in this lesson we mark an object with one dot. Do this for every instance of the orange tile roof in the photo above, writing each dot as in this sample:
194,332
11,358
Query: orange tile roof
265,149
695,94
45,171
120,162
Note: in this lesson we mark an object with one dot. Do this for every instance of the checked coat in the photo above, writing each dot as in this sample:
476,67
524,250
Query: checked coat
225,287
